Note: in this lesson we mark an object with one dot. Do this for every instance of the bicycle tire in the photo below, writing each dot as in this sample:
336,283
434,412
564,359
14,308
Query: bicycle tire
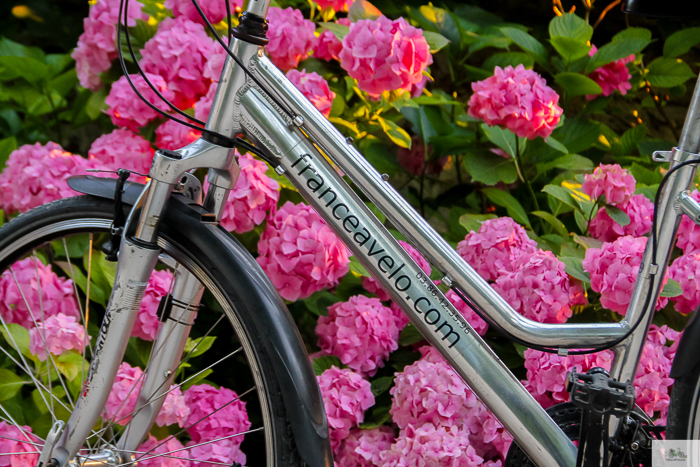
82,213
683,421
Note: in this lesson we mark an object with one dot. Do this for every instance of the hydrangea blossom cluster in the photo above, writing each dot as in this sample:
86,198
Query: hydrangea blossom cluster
178,53
214,10
640,211
215,61
57,294
8,434
494,249
254,195
362,448
314,88
370,284
146,325
291,37
686,271
153,447
518,99
223,451
329,46
653,382
174,409
413,160
688,231
538,288
173,135
97,46
613,269
56,334
346,396
125,391
122,149
232,418
612,76
300,253
385,55
612,181
203,105
128,110
479,325
360,332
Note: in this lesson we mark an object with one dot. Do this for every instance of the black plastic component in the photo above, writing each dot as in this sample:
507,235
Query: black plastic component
219,140
251,28
164,308
278,334
111,247
688,352
658,9
171,154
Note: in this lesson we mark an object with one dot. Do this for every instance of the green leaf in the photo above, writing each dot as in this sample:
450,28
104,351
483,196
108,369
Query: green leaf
571,162
574,268
553,221
10,384
70,364
10,48
489,40
562,194
472,222
395,133
17,338
57,62
489,168
435,41
199,345
628,141
587,242
506,200
96,293
576,84
570,49
195,380
553,143
632,33
668,72
528,43
615,51
375,210
670,290
109,268
362,9
618,215
680,42
578,134
381,385
324,363
571,26
504,59
64,83
379,416
28,68
357,268
648,191
501,137
379,155
338,30
96,104
410,335
7,145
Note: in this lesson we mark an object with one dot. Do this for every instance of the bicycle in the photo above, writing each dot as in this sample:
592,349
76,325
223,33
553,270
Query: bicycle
168,224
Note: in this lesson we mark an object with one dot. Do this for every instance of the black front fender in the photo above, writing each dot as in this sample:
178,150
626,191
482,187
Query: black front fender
688,352
275,327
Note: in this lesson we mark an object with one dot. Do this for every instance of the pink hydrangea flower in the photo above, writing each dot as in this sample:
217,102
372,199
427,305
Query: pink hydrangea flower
146,325
19,160
384,55
538,288
336,5
612,76
686,271
494,249
153,447
291,37
688,231
178,53
417,88
232,419
97,46
434,446
518,99
329,46
173,135
122,149
346,396
125,391
7,445
362,448
57,294
371,285
612,181
400,317
223,451
58,333
174,409
314,88
214,10
300,253
652,382
215,61
413,160
613,269
361,332
203,105
128,110
254,195
479,325
640,211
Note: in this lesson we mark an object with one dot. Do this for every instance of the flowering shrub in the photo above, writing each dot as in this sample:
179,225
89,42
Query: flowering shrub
56,334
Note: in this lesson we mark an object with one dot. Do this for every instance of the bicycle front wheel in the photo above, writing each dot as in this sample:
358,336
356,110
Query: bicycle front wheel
225,405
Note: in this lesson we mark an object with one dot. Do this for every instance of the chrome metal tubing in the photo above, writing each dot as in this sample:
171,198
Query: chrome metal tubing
425,305
421,234
167,350
258,7
690,136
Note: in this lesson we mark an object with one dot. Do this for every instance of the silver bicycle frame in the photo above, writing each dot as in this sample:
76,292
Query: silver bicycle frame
303,147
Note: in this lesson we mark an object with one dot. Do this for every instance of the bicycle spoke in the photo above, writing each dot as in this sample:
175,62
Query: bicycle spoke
16,425
26,442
